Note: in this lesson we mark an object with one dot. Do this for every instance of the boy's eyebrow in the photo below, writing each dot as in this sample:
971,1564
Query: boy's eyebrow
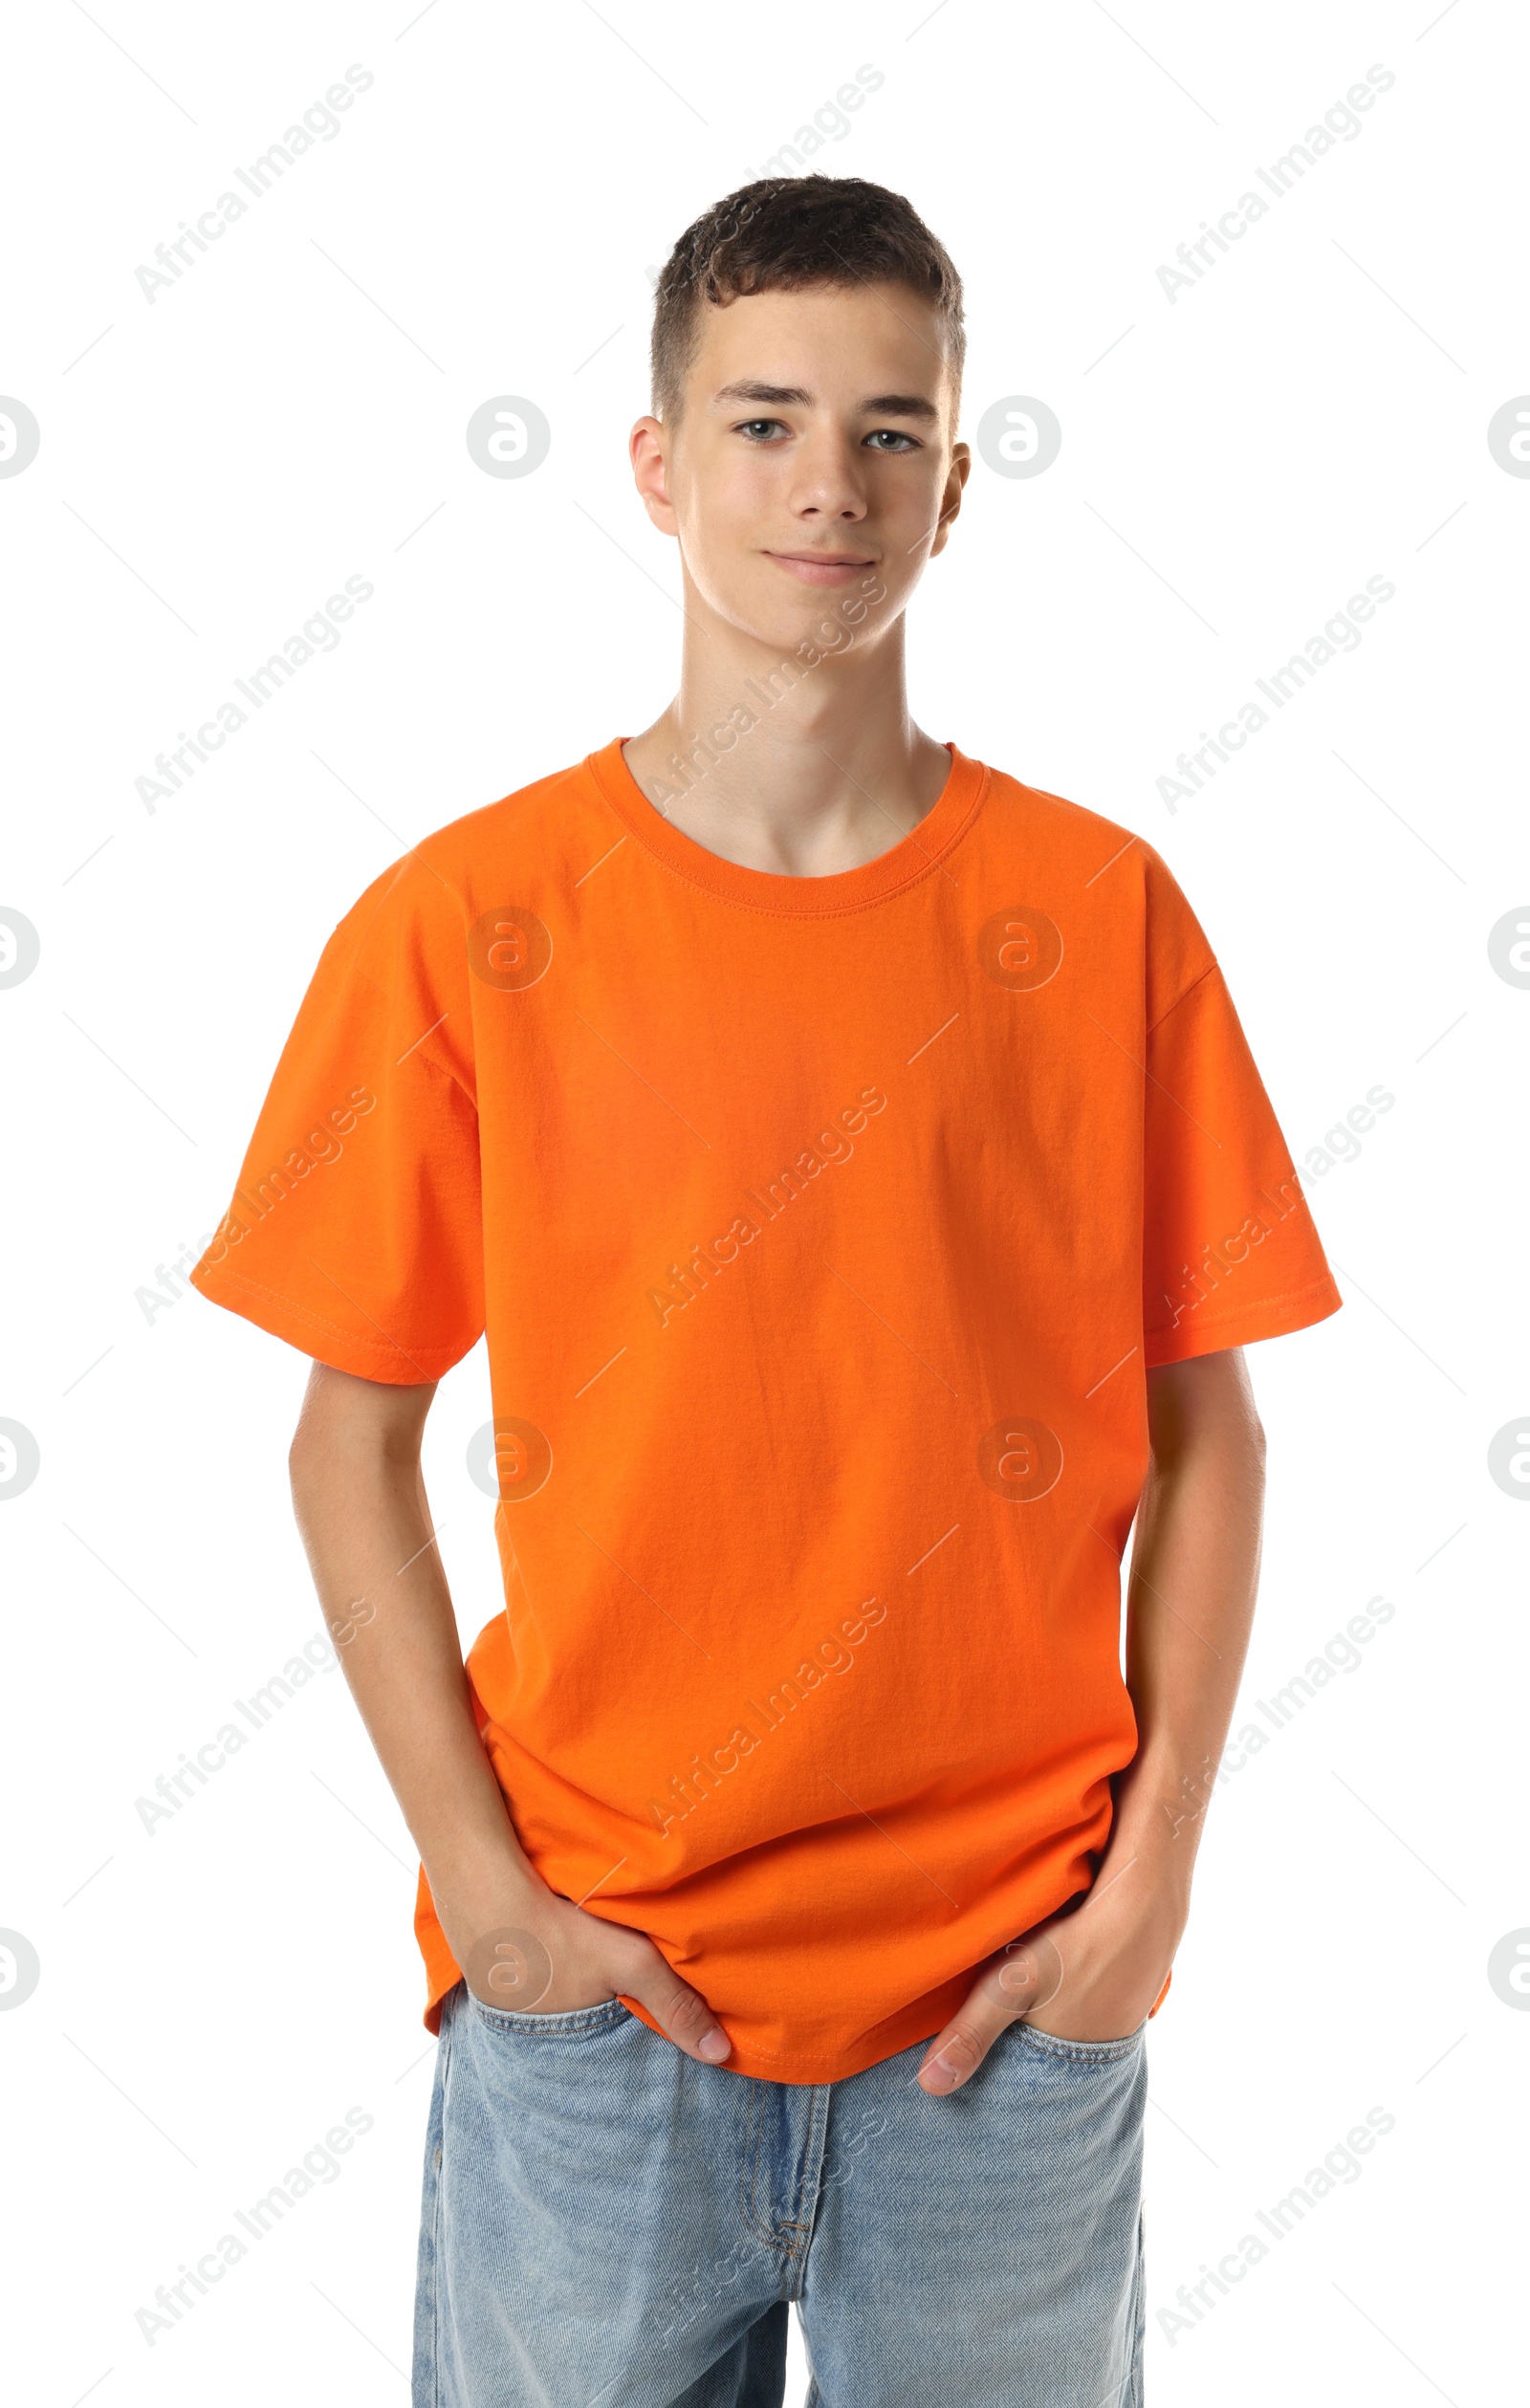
797,397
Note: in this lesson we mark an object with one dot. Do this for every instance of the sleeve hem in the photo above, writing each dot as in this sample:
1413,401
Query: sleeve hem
325,1341
1271,1316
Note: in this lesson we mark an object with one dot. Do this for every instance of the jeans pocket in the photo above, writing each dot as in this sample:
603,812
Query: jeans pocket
576,2023
1083,2051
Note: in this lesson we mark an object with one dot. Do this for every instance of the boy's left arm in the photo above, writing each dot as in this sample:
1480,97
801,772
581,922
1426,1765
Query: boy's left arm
1094,1973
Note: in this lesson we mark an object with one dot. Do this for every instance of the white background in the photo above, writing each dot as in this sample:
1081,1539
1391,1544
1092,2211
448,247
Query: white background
1234,463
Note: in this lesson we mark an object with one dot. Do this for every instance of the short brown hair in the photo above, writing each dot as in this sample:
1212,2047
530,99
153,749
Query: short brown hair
781,235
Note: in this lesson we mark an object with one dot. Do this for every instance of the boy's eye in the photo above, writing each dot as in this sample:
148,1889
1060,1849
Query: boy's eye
886,439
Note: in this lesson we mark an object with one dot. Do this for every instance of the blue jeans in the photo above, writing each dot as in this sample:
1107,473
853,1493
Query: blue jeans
609,2225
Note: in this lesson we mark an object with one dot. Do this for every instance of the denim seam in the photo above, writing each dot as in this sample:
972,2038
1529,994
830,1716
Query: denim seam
572,2024
811,2155
437,2238
749,2172
1132,2391
1080,2052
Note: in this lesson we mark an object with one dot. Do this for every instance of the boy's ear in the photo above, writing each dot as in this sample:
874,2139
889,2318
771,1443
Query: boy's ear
950,500
650,473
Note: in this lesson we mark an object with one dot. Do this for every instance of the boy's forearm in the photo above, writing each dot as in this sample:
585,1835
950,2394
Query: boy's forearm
1194,1576
361,1508
1093,1970
365,1520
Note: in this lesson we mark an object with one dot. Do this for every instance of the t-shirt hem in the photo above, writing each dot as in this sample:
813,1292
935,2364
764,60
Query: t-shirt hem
902,2032
920,2021
1271,1317
324,1341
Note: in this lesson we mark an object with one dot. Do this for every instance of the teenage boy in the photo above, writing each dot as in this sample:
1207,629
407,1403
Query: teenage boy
855,1161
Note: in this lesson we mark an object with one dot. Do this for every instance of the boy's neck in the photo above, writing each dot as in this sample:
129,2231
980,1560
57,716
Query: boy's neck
820,769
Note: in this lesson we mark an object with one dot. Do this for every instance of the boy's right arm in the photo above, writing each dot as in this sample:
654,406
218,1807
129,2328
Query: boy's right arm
361,1509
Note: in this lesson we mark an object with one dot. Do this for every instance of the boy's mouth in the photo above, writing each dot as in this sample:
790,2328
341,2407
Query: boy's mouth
822,568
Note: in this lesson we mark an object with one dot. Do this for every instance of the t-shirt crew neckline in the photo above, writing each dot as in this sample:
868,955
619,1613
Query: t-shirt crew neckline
913,857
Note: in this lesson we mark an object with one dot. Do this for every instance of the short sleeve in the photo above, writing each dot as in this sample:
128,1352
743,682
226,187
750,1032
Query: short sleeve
1230,1253
355,1231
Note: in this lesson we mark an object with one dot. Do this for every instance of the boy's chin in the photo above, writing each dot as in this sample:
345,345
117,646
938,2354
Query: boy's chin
812,621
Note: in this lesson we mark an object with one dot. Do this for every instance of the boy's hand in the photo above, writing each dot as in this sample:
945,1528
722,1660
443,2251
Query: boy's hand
548,1956
1091,1975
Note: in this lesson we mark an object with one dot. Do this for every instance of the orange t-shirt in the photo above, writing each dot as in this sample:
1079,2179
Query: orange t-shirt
824,1230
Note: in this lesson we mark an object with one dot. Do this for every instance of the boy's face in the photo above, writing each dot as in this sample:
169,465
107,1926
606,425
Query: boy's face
813,468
